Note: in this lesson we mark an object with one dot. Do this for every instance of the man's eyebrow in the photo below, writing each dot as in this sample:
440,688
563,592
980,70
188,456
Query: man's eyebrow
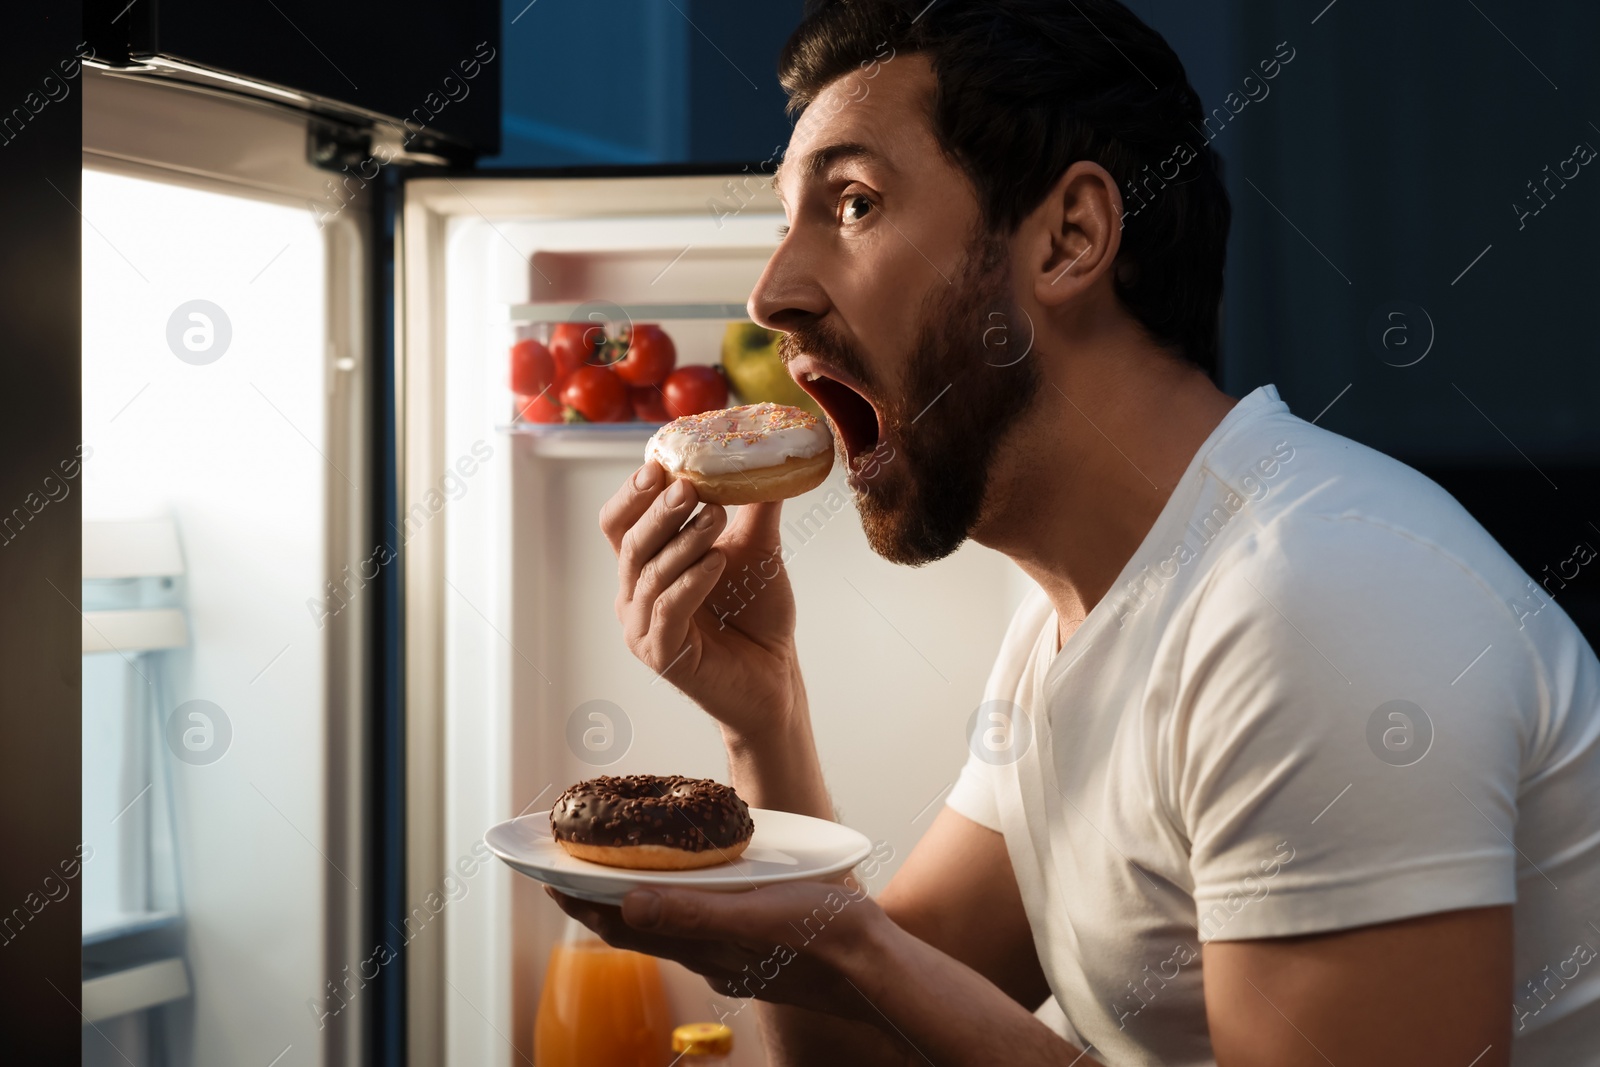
819,159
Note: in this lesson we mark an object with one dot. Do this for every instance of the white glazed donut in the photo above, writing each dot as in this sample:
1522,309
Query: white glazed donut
746,455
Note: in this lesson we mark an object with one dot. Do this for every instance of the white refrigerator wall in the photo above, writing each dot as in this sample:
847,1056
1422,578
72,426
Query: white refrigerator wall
894,658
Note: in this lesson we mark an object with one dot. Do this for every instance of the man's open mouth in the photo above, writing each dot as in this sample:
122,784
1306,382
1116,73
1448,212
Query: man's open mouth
855,418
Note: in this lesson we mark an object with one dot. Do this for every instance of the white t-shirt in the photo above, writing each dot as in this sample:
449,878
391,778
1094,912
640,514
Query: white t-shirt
1318,696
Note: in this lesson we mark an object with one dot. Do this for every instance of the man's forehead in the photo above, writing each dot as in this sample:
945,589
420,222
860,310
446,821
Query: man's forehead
856,117
814,161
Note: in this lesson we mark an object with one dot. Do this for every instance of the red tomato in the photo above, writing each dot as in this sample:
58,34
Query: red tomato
648,404
650,355
543,407
597,395
693,389
532,369
574,344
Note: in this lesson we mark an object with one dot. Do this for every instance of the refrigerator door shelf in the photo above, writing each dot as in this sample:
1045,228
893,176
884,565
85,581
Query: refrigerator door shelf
140,630
133,989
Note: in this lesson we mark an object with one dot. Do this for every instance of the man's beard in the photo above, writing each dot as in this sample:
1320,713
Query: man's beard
966,382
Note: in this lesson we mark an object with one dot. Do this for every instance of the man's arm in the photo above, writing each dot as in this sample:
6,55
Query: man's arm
855,970
956,894
1272,735
956,891
780,771
1434,991
1427,992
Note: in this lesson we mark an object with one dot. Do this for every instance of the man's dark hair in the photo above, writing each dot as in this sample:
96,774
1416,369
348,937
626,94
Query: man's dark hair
1025,89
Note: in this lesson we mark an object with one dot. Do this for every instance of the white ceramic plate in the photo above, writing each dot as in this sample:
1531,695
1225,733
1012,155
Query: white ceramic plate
785,848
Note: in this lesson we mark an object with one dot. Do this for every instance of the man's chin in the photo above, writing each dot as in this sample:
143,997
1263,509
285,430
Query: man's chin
889,541
906,545
897,529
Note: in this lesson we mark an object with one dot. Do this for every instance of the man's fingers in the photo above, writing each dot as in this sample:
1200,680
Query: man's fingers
760,916
698,915
632,498
679,554
655,527
757,525
604,919
708,958
664,622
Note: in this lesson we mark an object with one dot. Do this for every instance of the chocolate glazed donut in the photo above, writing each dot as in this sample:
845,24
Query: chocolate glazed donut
652,822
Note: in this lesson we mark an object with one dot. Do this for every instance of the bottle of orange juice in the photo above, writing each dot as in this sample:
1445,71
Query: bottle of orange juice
601,1007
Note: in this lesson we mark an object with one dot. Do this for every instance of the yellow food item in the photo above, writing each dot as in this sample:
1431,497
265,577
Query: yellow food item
750,360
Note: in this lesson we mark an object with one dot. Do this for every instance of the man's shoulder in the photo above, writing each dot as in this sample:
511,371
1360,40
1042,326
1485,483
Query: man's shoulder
1280,464
1328,511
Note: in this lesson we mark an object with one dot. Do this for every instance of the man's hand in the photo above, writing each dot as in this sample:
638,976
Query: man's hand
730,650
828,947
809,944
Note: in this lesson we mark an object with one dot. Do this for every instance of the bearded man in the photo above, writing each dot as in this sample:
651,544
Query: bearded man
1312,767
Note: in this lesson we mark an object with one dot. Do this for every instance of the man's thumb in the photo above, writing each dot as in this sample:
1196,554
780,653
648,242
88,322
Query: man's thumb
757,525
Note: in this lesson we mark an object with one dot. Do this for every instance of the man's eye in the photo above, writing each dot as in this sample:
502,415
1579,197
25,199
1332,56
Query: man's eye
855,207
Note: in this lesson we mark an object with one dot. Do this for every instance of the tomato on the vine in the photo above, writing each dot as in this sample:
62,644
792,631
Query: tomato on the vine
542,407
532,369
646,355
575,344
648,404
596,394
693,389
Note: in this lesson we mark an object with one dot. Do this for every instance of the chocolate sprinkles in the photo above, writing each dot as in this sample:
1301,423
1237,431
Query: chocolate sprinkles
693,814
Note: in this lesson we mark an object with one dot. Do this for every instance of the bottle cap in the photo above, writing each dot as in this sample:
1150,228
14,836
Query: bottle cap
703,1038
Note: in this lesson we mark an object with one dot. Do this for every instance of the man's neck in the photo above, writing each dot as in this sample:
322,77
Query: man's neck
1083,476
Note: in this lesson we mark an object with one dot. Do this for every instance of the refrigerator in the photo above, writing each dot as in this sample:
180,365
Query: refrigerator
430,575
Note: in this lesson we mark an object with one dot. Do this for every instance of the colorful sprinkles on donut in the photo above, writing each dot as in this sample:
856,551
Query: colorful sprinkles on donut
747,437
722,428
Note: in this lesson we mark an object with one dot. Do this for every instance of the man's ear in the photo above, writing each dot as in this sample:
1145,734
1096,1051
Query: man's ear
1076,233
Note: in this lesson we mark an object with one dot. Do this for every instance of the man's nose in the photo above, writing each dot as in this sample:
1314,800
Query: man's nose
789,290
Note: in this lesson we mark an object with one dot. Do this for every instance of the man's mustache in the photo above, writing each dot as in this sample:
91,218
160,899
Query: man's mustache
823,345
